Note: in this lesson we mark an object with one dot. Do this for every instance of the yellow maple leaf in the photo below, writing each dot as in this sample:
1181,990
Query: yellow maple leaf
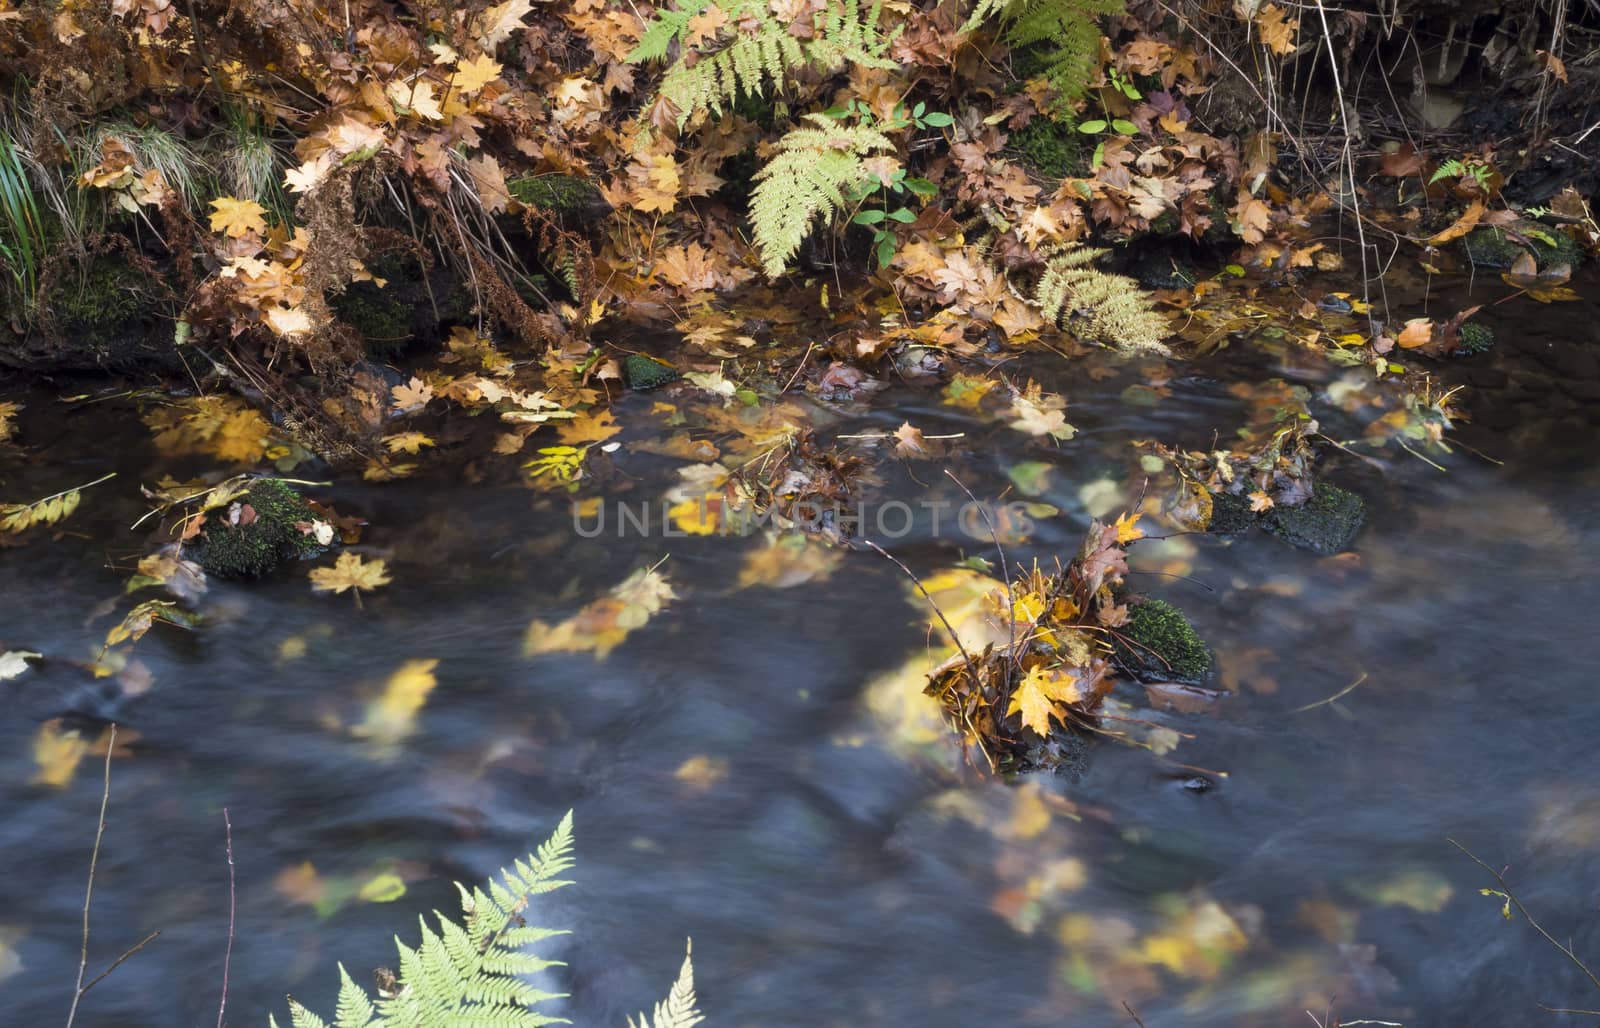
411,396
1037,695
236,218
288,321
410,442
1128,529
393,715
350,572
473,75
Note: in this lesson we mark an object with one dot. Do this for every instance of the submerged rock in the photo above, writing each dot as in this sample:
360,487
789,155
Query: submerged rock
1475,339
253,543
1326,524
1158,644
641,372
1499,248
1230,514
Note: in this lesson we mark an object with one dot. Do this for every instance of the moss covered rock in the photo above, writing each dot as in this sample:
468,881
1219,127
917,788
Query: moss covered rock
258,540
572,200
111,317
1230,514
384,319
1475,339
1159,644
641,372
1327,523
1497,248
1054,149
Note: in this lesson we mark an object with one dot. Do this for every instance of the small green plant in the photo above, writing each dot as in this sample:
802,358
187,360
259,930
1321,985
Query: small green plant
472,973
1107,123
891,208
22,241
1466,169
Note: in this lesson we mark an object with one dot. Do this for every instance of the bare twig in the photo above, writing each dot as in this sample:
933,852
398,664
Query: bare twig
1511,897
141,944
1005,566
1338,695
88,894
227,954
972,668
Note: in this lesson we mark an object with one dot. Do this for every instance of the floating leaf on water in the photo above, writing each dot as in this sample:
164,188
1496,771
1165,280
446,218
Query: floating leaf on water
350,572
15,662
393,715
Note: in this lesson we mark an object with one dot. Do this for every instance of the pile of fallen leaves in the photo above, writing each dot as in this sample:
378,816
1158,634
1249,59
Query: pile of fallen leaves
1035,652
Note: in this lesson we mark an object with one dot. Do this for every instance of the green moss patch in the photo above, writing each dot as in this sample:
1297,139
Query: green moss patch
641,372
562,195
1327,523
1475,339
1053,149
1499,248
1159,644
1230,514
245,548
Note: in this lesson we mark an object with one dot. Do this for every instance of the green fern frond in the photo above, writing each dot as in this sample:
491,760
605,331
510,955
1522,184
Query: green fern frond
1069,30
761,53
805,179
471,973
1101,306
679,1010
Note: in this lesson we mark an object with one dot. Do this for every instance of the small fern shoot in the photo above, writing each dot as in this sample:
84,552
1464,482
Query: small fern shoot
468,973
808,176
1104,307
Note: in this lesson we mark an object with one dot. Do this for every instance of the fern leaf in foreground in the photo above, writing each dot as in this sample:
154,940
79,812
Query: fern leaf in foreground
679,1009
806,178
468,973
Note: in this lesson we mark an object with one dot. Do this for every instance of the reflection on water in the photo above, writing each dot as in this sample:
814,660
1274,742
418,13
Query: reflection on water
733,782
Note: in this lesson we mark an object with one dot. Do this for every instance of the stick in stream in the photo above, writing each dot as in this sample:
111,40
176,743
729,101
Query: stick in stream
227,954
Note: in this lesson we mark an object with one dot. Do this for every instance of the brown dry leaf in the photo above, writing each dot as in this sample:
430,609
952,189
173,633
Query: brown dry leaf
595,427
495,25
1277,29
909,442
1466,223
349,572
409,442
491,183
603,624
1418,332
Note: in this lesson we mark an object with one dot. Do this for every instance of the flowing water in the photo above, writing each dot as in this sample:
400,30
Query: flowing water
734,779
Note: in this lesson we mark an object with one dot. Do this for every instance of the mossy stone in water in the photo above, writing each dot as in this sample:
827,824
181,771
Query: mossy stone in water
1493,248
1230,514
253,550
1326,524
641,372
1475,339
1158,644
